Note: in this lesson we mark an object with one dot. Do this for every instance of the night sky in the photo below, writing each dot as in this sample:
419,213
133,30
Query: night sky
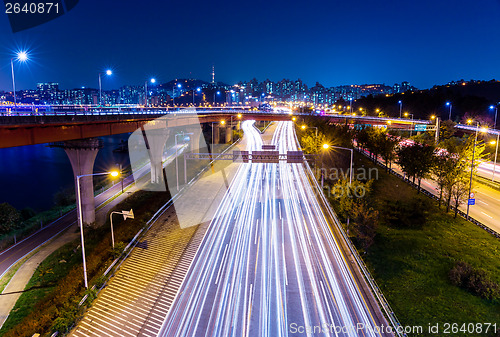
334,42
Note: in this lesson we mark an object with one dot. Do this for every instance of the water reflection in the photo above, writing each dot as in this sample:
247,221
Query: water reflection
31,175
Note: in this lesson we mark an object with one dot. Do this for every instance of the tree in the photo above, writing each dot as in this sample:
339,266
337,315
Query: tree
9,218
364,225
387,146
446,129
311,143
460,191
416,161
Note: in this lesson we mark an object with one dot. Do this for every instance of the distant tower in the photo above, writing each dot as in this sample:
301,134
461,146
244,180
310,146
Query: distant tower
213,75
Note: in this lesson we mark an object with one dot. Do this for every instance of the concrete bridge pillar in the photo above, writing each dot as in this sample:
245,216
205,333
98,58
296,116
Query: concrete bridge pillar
81,154
216,134
156,139
228,134
196,142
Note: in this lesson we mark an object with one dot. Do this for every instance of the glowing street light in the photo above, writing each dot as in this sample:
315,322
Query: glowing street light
22,57
326,146
496,111
113,173
109,73
197,90
153,81
496,153
450,105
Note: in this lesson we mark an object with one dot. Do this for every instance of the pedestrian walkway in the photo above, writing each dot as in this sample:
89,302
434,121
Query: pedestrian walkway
17,284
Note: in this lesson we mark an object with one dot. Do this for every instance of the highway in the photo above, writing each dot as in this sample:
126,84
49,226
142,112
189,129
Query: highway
269,264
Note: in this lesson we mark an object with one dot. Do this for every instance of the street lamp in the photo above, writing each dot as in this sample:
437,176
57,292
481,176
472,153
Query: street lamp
80,217
400,108
411,129
21,56
197,90
173,93
218,93
153,81
496,153
450,105
126,215
327,146
472,164
109,73
496,111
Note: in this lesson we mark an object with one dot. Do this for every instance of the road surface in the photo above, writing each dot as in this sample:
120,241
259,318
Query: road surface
269,264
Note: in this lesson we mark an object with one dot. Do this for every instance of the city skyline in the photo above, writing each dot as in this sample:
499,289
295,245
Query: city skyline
332,43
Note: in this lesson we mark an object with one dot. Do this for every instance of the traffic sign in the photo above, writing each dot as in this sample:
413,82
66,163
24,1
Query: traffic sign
265,156
471,196
420,127
472,202
295,157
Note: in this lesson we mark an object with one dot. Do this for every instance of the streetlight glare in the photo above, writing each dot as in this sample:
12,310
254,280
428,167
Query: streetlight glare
493,142
179,85
326,146
293,119
223,122
484,129
153,80
239,115
303,127
469,121
109,72
492,107
114,173
22,56
447,103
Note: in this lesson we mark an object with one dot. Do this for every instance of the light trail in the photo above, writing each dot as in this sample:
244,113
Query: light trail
269,261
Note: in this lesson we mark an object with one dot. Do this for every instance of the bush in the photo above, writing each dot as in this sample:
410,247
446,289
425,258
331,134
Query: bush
476,281
119,247
9,218
64,198
405,214
27,213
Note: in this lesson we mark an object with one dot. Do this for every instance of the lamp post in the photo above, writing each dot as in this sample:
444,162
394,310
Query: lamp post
400,108
197,90
21,56
109,73
173,93
176,154
450,105
218,93
153,81
126,215
80,218
496,111
411,128
472,165
496,153
326,147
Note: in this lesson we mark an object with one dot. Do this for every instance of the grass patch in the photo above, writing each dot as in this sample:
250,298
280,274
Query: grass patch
412,265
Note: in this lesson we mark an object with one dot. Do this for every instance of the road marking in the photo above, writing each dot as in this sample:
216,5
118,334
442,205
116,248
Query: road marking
489,216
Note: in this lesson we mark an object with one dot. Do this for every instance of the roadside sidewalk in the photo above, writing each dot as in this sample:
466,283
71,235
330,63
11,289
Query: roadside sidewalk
18,283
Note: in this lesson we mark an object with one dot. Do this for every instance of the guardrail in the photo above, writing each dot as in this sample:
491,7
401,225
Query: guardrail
382,301
435,197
